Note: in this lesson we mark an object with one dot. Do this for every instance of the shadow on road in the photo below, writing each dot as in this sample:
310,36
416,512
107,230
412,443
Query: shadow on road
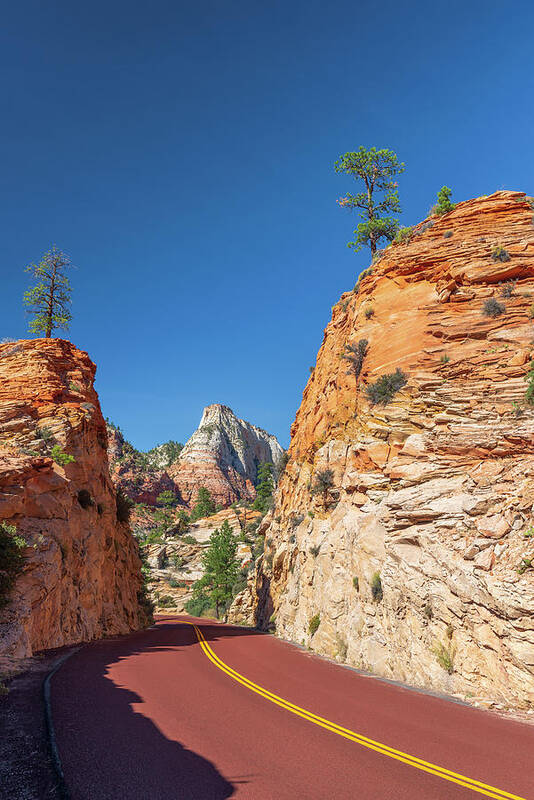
111,749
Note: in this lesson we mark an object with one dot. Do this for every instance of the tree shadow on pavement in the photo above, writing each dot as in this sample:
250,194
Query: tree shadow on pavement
108,748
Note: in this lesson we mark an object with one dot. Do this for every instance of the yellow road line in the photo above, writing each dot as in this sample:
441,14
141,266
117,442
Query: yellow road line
398,755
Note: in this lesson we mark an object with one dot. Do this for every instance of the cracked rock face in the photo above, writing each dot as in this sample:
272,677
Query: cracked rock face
412,556
223,455
82,570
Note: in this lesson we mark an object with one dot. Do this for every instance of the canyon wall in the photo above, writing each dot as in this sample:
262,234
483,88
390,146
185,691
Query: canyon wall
81,578
412,559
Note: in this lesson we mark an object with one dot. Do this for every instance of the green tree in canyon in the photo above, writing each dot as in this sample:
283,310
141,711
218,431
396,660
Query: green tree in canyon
221,571
376,168
264,488
48,300
204,507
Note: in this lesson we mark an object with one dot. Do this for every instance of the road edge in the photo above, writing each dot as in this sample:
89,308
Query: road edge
50,730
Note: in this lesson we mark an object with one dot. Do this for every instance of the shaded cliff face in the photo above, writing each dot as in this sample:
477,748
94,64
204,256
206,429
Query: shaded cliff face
412,557
82,570
223,455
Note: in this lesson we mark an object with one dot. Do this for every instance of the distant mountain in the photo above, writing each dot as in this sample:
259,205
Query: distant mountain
223,455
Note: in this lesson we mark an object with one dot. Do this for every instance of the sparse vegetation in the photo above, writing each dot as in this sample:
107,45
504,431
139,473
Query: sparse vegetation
492,308
447,234
444,358
385,388
322,483
356,583
369,312
60,457
376,587
355,355
315,550
403,235
508,289
428,612
314,623
44,433
524,564
11,559
188,539
500,254
444,204
445,658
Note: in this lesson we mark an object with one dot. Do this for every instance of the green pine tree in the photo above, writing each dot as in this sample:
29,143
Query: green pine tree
49,299
264,488
204,507
221,567
375,168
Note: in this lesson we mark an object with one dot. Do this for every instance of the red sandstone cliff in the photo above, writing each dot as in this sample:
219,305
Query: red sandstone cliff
81,577
414,558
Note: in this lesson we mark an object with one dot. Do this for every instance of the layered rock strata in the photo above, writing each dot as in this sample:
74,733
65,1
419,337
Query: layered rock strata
81,578
412,557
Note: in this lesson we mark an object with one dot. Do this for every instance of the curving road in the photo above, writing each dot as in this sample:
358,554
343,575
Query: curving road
212,711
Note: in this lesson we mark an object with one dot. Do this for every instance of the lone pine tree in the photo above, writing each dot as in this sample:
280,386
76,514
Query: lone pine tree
375,168
48,300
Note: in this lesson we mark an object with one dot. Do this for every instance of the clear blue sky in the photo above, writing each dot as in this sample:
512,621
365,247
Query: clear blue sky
182,154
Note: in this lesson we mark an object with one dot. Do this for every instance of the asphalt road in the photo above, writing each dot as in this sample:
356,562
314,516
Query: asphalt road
217,711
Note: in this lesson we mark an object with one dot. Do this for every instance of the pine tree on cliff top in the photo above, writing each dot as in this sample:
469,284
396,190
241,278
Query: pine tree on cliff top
375,168
49,299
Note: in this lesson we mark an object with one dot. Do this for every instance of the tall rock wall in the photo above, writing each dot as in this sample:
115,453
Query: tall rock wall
413,559
223,455
81,576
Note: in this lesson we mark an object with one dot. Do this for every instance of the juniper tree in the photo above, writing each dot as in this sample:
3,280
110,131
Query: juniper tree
49,299
355,354
375,168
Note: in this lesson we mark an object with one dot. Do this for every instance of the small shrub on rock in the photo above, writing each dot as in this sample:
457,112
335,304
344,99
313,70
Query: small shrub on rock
385,388
356,583
447,234
60,457
492,308
376,587
445,658
403,236
315,550
508,289
369,312
529,377
500,254
314,623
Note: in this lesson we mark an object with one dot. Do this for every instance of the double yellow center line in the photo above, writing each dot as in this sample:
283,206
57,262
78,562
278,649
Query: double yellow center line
364,741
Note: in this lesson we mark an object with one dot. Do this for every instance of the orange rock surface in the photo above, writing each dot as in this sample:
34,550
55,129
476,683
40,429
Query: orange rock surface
432,493
82,570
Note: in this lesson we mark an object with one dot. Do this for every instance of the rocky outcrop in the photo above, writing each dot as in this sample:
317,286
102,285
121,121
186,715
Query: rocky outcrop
81,578
223,455
413,553
137,474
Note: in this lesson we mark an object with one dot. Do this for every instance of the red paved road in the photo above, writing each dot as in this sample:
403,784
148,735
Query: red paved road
150,716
